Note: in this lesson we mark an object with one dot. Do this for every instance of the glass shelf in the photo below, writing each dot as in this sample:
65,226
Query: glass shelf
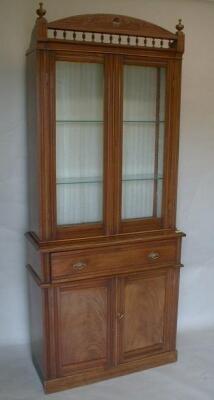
72,181
142,122
144,177
77,122
101,122
130,178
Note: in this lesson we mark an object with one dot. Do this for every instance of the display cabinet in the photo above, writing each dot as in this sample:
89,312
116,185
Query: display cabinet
103,247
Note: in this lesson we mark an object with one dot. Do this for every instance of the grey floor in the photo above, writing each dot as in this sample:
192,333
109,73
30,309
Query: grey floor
191,378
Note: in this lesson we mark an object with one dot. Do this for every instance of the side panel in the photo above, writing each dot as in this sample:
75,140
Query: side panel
36,325
172,139
33,144
39,143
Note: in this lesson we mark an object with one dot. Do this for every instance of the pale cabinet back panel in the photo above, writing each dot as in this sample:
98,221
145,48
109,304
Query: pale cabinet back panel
79,142
143,141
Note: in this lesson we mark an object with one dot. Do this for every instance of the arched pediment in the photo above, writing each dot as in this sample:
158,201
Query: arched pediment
113,24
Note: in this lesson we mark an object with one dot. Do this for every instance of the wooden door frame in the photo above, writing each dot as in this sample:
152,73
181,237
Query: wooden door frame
171,139
86,229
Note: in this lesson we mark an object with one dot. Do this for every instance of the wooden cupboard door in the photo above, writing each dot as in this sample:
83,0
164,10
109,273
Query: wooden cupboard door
84,325
142,315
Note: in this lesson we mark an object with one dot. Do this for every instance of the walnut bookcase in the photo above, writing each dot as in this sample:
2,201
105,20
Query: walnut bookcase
103,248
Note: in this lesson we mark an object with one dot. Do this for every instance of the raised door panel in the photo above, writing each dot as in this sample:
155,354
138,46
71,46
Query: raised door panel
142,315
84,326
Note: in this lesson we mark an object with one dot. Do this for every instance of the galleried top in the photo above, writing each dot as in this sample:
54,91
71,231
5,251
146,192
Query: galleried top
108,29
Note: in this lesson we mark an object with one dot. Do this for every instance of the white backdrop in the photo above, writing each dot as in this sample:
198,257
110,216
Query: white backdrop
196,170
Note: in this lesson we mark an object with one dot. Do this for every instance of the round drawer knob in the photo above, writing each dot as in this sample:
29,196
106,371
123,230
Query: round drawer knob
153,255
79,266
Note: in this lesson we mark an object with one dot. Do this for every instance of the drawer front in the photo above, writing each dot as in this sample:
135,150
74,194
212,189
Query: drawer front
112,260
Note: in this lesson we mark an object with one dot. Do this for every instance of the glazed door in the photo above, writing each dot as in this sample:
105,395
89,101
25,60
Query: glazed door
84,315
142,315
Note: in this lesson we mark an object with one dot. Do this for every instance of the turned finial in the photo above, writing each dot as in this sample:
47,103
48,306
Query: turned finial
179,26
41,11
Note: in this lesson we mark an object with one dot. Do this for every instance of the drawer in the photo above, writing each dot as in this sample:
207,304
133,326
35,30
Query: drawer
112,260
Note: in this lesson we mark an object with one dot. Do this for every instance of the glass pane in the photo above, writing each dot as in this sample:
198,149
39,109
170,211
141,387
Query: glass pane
143,141
79,142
